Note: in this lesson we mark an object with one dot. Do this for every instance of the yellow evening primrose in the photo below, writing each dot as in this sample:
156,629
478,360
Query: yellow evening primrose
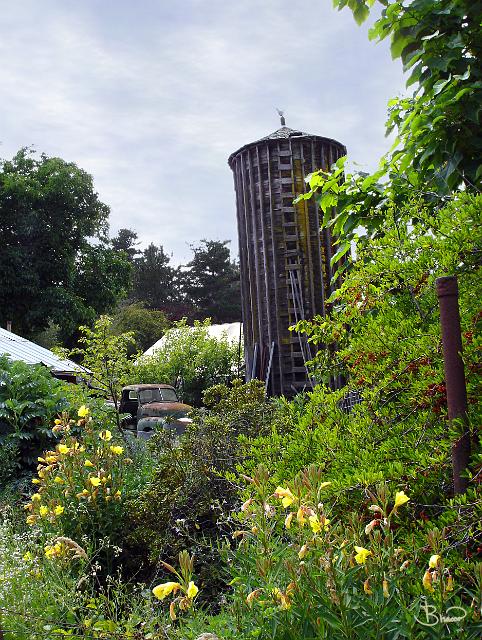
303,551
105,435
57,421
433,563
288,520
366,587
192,590
32,519
35,481
95,482
36,497
59,510
88,463
300,516
43,510
251,596
317,525
245,506
58,480
386,591
361,555
83,411
63,449
450,583
27,557
117,450
400,499
287,498
427,581
163,590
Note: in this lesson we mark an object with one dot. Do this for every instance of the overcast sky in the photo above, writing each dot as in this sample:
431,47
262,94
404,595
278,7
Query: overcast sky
151,97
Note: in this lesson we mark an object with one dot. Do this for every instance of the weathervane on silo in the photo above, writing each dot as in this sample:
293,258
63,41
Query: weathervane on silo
281,116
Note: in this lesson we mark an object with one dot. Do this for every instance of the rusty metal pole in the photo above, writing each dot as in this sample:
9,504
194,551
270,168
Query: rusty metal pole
448,297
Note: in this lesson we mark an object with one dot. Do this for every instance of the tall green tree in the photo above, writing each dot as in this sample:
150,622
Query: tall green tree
49,270
126,240
211,282
147,325
154,278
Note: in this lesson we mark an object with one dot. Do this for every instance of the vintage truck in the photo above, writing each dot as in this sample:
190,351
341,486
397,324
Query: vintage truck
150,405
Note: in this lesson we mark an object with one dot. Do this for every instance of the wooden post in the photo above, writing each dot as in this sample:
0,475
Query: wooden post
448,293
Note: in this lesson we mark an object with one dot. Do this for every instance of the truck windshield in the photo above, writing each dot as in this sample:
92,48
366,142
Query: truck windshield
157,395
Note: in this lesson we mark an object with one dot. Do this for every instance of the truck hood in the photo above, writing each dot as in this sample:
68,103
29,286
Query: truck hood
176,409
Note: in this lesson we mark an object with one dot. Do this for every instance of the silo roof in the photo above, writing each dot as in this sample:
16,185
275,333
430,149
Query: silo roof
284,133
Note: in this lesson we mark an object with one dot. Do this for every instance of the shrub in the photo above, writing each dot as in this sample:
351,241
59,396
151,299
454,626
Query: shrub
301,572
29,400
190,356
78,491
187,503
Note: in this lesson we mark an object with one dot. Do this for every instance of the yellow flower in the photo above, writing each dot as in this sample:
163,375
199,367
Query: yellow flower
63,449
245,506
317,525
366,587
117,494
35,481
172,610
36,497
88,463
83,412
192,590
450,583
31,519
386,592
400,498
287,498
300,516
282,598
41,459
59,510
303,551
43,510
433,563
27,557
57,421
58,480
361,555
163,590
105,435
95,482
427,581
251,596
117,450
52,459
288,520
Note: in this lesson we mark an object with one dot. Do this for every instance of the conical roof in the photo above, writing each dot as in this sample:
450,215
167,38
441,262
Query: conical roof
284,133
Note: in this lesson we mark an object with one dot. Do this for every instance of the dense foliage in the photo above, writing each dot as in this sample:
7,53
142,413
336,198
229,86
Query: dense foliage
439,142
191,359
29,401
48,269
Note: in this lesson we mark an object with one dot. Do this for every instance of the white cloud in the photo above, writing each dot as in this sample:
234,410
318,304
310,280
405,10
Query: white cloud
151,97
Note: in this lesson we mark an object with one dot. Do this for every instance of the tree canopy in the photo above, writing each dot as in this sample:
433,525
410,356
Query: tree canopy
56,264
438,148
211,282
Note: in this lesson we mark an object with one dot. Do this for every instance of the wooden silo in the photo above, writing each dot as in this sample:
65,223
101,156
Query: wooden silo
284,259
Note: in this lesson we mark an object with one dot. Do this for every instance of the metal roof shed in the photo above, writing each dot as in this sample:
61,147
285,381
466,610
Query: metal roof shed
18,348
